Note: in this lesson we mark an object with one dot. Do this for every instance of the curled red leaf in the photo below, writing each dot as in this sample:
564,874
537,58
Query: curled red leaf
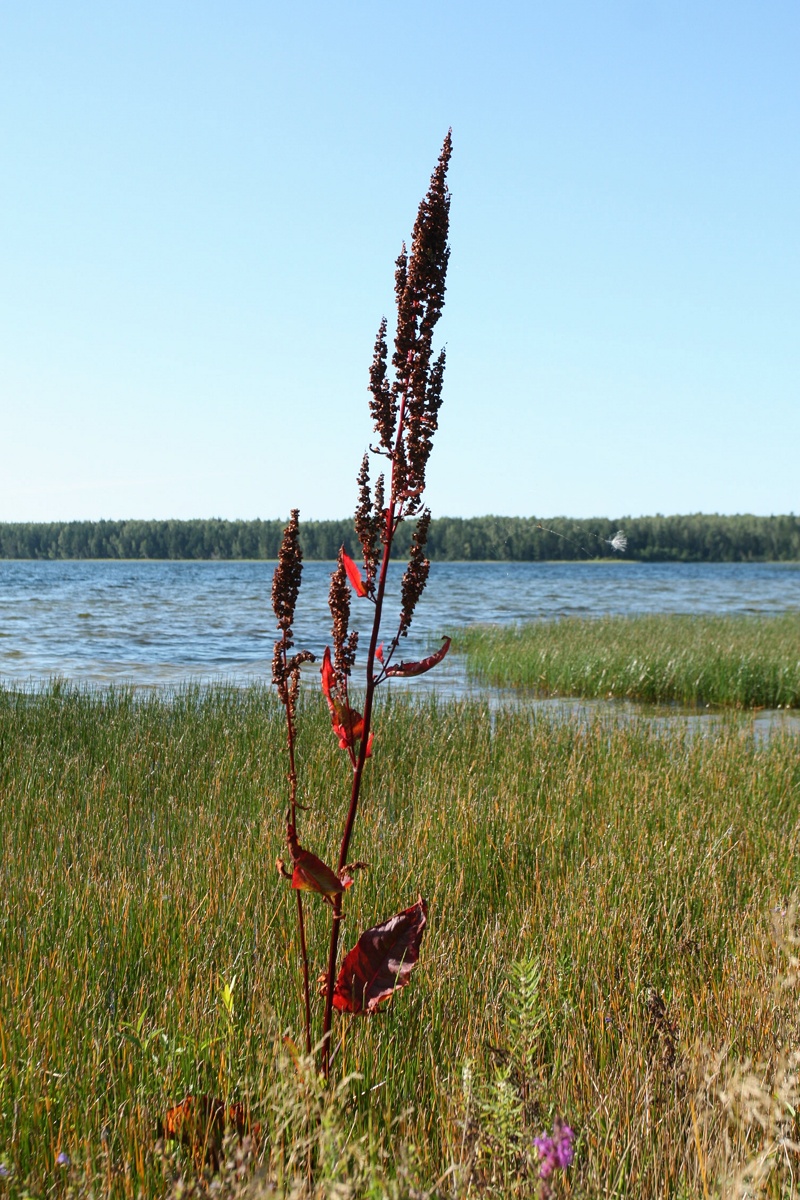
381,961
419,668
311,874
353,574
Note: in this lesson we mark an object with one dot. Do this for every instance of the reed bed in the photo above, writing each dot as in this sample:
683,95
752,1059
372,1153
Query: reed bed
736,661
645,876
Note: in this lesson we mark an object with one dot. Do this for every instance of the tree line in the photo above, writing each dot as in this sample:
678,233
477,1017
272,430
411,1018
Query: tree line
697,537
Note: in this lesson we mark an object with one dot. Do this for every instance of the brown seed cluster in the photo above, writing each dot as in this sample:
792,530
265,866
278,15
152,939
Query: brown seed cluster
416,573
415,395
345,643
383,404
288,575
285,589
369,523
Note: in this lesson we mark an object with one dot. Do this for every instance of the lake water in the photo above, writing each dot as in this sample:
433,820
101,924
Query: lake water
166,623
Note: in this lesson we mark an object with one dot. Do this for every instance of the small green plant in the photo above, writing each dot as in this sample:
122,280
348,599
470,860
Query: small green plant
503,1107
526,1016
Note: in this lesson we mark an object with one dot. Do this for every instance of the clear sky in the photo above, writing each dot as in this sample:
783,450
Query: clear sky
201,203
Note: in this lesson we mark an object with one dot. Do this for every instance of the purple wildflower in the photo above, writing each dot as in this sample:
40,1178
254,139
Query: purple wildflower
4,1171
555,1149
63,1159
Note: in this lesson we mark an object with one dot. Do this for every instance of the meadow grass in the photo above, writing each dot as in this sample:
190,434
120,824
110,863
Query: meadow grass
139,834
737,661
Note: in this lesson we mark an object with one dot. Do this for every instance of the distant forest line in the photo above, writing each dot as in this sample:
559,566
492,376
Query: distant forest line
694,538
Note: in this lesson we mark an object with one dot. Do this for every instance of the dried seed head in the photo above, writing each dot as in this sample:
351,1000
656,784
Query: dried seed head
380,505
401,274
399,474
364,506
420,277
367,527
405,332
422,421
286,676
429,250
285,590
278,670
420,280
288,575
344,643
416,573
383,405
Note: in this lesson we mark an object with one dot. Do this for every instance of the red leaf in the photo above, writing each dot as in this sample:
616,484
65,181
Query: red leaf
381,961
419,668
353,574
328,675
310,873
348,725
379,653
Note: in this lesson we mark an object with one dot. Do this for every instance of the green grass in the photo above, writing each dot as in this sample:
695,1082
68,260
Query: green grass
737,661
139,835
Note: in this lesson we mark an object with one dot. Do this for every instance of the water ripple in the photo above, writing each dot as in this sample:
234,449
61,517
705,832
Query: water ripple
164,623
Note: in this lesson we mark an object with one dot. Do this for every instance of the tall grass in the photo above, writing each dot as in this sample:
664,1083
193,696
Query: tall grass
139,835
740,661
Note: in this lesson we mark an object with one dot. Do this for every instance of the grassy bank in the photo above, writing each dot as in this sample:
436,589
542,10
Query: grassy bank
647,876
740,661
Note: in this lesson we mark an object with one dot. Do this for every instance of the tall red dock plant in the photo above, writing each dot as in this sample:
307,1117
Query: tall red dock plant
404,405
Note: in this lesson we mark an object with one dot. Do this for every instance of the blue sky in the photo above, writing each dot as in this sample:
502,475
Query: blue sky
202,202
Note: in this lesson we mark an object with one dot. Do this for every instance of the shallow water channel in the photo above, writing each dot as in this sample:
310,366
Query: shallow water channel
164,624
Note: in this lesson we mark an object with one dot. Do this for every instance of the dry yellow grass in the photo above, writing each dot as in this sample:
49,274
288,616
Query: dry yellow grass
643,869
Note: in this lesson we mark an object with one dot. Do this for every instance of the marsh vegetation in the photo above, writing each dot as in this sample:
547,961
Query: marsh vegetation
643,879
733,660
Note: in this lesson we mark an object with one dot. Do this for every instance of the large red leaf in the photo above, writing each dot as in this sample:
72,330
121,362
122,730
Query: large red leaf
353,574
381,961
419,668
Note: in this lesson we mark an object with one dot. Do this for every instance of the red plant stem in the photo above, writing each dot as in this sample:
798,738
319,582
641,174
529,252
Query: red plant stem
304,952
358,770
300,921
